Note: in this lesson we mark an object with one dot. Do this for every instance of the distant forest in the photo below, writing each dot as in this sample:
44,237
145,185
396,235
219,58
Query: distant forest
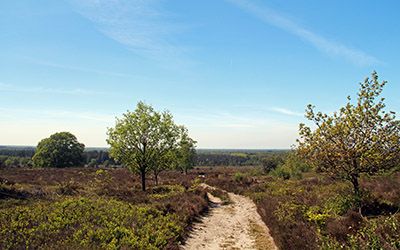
19,156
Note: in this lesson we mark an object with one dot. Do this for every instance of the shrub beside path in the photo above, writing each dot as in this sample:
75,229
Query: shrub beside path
236,225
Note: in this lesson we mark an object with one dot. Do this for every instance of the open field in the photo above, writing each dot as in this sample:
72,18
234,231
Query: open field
104,208
95,208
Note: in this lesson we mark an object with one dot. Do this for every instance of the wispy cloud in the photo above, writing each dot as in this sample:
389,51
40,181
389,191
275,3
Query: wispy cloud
140,25
325,45
43,115
286,111
81,69
42,90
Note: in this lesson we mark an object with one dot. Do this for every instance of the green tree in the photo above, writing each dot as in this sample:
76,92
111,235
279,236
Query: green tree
359,138
144,140
92,163
12,162
59,150
186,152
271,162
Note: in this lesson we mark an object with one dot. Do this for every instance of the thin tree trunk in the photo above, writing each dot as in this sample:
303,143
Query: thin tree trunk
143,177
356,188
156,177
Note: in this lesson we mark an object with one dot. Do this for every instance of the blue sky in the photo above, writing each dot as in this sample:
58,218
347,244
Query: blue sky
237,73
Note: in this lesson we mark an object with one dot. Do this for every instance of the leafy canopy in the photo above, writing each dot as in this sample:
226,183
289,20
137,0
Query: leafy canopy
144,140
59,150
360,138
186,153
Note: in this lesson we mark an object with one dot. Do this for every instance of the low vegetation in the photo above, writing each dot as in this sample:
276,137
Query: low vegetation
315,211
99,209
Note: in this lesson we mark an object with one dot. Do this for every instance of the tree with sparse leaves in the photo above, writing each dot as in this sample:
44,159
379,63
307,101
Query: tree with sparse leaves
361,138
144,140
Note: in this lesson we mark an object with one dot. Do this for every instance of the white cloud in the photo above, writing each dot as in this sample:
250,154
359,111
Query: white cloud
42,90
327,46
58,115
286,111
140,25
81,69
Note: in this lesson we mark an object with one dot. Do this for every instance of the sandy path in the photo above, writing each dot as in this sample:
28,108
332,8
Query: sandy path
232,226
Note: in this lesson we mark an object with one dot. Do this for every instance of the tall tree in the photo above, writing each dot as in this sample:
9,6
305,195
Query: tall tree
143,140
186,152
359,138
59,150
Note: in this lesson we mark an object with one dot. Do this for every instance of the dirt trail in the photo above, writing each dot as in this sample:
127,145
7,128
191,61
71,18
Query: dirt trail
233,226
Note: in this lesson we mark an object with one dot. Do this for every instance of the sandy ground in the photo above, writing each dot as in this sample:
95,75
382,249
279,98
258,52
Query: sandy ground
233,226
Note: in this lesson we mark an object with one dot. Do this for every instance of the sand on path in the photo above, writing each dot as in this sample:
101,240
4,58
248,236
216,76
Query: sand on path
233,226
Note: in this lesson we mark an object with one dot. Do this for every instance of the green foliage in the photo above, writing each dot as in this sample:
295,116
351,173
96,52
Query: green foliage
317,215
291,167
282,172
92,163
378,233
238,176
165,191
87,223
145,140
59,150
289,211
15,161
359,138
186,152
271,162
338,205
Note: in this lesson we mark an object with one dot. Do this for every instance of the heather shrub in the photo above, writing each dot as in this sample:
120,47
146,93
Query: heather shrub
376,233
89,223
238,177
83,208
165,191
319,212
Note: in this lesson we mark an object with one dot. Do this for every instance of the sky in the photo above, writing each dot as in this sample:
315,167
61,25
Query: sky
236,73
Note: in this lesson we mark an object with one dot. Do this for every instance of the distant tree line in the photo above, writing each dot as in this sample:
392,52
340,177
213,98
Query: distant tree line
21,157
243,158
17,151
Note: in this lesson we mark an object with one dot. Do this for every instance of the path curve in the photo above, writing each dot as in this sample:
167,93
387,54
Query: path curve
233,226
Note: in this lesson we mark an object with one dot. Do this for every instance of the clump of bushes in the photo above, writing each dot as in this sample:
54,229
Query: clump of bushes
291,167
89,223
15,161
165,191
238,177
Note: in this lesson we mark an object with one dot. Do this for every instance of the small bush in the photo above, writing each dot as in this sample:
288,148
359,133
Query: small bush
238,177
164,191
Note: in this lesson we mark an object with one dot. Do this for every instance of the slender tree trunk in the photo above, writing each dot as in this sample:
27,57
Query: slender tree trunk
156,177
356,188
143,177
143,168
